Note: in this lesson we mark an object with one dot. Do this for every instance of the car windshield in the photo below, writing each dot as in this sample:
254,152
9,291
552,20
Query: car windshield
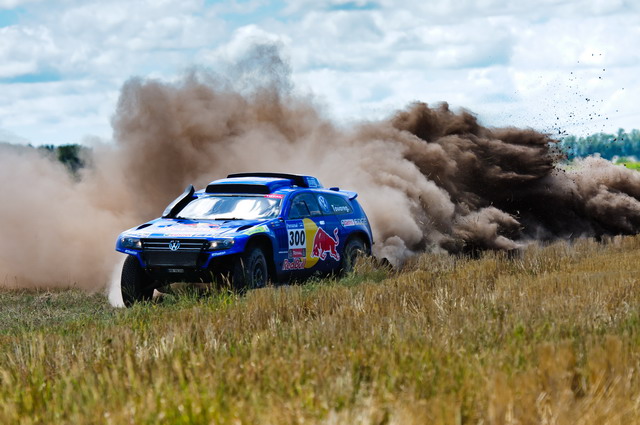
218,207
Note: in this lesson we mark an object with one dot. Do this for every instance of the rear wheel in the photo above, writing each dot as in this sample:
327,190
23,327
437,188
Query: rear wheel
251,270
355,247
134,284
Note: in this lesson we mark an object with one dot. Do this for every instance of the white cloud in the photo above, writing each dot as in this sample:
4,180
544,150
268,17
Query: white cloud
58,112
242,42
12,4
108,39
25,50
510,62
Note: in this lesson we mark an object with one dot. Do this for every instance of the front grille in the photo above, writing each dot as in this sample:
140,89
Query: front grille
186,245
158,252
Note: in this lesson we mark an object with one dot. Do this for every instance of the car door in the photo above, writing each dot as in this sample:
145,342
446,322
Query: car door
335,208
312,244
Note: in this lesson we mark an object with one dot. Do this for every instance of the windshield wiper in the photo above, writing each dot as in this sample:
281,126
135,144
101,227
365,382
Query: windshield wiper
228,218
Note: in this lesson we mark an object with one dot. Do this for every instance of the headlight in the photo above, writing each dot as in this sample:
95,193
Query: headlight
219,244
131,243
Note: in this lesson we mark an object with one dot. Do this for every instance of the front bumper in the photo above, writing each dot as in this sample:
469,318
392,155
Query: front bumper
164,261
190,253
218,271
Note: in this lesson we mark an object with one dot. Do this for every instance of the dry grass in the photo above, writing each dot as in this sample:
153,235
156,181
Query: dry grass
549,337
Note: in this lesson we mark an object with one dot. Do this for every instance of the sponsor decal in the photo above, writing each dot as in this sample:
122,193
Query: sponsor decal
354,222
256,229
308,244
297,239
323,203
300,234
139,234
191,229
297,253
191,225
201,225
295,264
324,244
274,196
340,208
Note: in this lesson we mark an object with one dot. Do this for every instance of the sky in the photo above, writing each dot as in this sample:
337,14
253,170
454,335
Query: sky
559,66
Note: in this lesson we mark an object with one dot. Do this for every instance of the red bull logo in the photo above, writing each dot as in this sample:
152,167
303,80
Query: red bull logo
295,264
324,244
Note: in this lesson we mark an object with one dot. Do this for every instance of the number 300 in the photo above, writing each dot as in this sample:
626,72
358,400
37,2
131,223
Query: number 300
297,237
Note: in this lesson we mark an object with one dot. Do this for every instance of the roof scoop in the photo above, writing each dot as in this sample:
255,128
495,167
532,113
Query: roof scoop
180,202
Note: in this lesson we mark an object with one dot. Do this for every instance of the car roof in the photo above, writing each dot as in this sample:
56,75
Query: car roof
270,183
297,179
261,183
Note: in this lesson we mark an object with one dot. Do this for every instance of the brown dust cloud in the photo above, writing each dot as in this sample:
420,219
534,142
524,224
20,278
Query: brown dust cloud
430,179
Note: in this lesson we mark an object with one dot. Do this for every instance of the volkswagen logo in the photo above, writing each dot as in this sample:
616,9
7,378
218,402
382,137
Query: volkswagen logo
174,245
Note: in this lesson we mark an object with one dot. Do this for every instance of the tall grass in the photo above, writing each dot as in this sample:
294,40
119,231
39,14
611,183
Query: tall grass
550,336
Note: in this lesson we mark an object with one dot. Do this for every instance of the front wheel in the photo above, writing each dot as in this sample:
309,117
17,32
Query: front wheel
355,247
251,270
134,283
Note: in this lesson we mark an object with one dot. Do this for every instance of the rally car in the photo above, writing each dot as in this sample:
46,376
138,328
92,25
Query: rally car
245,230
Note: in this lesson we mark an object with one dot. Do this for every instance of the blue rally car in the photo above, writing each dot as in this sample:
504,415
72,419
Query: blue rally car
247,229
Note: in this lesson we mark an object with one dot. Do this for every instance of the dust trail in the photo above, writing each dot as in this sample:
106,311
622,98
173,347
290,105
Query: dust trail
429,178
114,295
54,231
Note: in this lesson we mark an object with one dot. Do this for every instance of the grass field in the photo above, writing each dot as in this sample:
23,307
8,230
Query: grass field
634,165
552,337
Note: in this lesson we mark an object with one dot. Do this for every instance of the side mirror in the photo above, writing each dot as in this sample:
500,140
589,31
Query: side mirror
180,202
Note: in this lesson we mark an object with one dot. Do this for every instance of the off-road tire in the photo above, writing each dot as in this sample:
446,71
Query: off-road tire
251,270
134,284
354,248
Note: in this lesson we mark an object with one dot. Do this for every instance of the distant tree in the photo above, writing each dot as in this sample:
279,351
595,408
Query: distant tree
72,156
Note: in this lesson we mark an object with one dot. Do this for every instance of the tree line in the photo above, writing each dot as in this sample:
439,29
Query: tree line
71,156
608,146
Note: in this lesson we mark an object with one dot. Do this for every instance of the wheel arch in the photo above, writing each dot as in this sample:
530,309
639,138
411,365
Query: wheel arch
266,244
359,234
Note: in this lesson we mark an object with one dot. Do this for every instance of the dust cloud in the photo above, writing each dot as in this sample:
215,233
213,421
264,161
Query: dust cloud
428,177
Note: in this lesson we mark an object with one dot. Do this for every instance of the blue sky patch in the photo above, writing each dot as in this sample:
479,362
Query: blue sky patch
261,12
40,77
353,5
9,17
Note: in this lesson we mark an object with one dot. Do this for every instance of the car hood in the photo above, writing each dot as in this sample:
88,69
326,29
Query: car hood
173,228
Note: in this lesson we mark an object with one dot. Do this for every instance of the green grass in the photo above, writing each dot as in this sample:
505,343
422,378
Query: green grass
37,310
629,164
551,336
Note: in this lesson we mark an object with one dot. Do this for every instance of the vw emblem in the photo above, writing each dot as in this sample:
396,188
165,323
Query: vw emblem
174,245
